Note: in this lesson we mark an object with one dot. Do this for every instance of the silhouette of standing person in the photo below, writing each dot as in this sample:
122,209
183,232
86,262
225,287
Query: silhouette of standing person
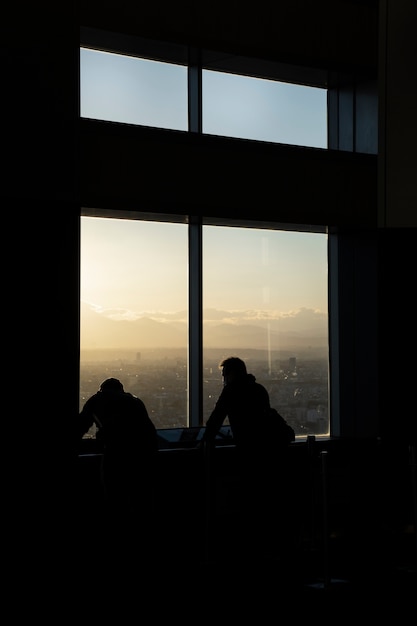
245,402
241,400
130,445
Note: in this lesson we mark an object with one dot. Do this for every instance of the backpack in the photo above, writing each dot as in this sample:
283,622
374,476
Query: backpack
277,429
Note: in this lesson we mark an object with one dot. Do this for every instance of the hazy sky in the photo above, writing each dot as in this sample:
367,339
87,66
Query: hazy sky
134,268
140,91
141,268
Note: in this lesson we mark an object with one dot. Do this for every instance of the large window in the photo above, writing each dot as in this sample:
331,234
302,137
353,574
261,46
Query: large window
264,298
163,300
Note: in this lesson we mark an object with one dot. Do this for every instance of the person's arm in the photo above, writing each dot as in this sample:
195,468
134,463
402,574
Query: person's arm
149,431
86,418
216,419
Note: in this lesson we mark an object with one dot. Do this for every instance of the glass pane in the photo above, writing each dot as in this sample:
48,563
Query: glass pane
265,300
134,312
264,110
127,89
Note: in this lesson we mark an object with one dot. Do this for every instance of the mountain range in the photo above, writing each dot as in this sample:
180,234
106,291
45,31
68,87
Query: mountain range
303,329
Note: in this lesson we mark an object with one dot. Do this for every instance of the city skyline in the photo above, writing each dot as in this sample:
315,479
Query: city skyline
302,330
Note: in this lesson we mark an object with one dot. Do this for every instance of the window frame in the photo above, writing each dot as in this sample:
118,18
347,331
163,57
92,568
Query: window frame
196,60
195,225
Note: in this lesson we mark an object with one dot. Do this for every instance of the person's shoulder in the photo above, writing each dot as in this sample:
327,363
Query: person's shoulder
90,403
253,383
251,380
135,399
136,404
129,396
126,396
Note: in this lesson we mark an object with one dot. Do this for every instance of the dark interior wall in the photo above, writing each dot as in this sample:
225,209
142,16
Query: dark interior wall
335,34
397,114
39,199
356,350
215,176
397,334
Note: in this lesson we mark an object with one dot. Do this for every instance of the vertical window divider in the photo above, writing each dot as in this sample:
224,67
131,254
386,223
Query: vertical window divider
195,107
195,277
195,312
334,348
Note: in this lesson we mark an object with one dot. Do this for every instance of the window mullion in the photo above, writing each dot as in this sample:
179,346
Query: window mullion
195,330
195,124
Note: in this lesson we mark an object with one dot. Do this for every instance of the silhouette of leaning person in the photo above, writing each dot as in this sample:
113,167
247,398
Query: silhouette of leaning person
242,399
130,444
261,465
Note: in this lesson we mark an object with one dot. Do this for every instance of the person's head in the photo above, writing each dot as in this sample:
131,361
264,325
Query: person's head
232,368
111,384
